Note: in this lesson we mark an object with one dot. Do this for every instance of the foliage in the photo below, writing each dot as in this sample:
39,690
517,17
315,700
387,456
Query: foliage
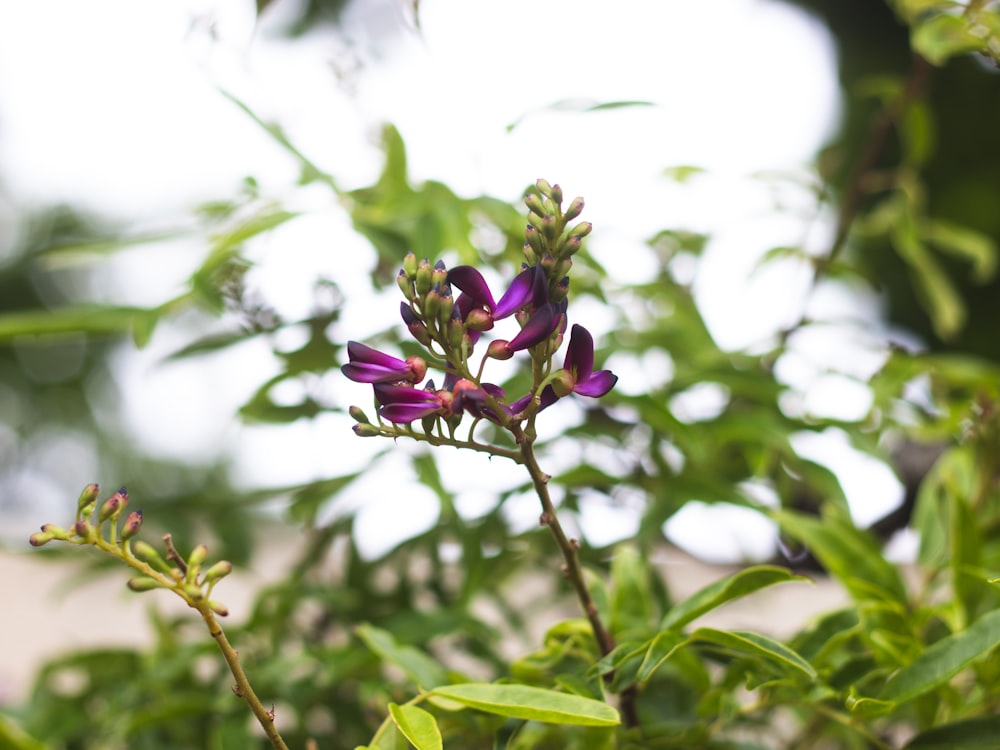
414,648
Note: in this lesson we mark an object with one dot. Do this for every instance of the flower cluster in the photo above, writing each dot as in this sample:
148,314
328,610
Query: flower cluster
449,328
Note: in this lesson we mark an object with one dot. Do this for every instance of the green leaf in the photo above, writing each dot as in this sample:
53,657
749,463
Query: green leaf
756,644
661,648
848,553
944,659
943,36
530,703
966,243
92,319
631,598
733,587
417,665
418,726
980,733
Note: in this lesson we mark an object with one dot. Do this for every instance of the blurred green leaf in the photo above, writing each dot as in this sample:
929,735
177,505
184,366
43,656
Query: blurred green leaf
757,645
944,659
418,666
732,587
529,703
979,733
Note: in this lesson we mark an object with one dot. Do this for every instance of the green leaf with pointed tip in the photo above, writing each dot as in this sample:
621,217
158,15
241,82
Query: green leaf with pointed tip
944,659
417,665
733,587
755,644
980,733
848,553
530,703
661,648
418,726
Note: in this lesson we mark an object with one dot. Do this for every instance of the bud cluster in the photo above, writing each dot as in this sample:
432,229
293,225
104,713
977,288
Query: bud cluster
447,311
99,526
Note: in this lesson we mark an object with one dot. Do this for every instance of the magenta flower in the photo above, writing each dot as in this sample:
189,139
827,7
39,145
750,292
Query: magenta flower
529,285
402,404
369,365
579,364
577,375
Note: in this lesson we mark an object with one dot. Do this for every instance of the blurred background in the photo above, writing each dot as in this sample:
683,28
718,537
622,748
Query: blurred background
201,202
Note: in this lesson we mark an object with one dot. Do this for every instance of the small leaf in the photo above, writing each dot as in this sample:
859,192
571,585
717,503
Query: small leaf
758,645
944,659
418,726
661,648
737,585
419,667
964,242
531,703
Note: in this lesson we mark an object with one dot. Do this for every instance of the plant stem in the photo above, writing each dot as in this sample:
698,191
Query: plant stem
572,568
242,687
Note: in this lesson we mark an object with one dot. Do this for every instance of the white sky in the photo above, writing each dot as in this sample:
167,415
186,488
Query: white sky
114,105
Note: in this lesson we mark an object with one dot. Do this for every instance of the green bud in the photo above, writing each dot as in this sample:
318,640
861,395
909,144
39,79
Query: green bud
405,284
432,304
456,329
84,530
556,194
423,277
562,383
478,320
40,538
218,571
57,532
574,209
445,310
132,525
410,265
581,230
544,187
146,552
534,239
534,204
550,227
198,555
144,583
219,608
529,254
88,497
439,276
570,246
366,430
358,415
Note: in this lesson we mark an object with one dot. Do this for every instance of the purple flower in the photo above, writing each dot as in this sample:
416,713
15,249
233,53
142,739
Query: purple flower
539,327
577,375
579,364
369,365
402,404
529,285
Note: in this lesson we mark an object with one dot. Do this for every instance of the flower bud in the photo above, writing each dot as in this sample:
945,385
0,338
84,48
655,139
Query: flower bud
581,230
84,530
198,555
431,304
534,238
423,277
145,551
366,430
113,506
144,583
550,227
544,187
439,276
410,265
405,284
456,330
574,209
447,305
132,525
561,290
478,320
88,497
556,194
218,571
358,415
499,349
529,254
219,608
570,246
534,204
40,537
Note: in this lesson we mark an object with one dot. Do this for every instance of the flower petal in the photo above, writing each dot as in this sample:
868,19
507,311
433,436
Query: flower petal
539,327
470,281
517,294
597,384
580,354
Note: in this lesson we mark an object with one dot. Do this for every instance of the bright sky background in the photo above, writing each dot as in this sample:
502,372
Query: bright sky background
114,105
